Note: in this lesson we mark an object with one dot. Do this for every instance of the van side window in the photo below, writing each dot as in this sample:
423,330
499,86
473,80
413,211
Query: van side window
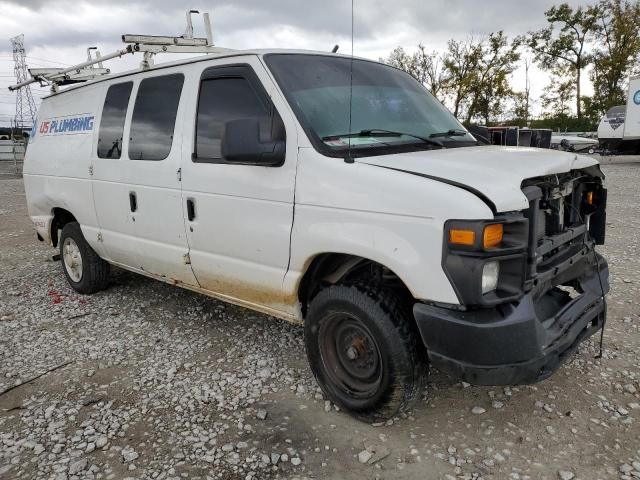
112,122
229,95
154,117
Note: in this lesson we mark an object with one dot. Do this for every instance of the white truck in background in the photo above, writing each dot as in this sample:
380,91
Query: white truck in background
619,129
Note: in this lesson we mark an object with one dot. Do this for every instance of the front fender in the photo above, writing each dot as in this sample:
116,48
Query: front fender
390,217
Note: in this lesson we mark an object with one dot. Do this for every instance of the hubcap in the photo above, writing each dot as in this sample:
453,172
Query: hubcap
350,355
72,259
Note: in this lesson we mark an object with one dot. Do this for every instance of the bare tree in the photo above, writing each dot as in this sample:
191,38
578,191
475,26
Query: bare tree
522,100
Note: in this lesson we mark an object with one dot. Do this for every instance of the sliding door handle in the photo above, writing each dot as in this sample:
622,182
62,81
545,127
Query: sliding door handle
133,201
191,209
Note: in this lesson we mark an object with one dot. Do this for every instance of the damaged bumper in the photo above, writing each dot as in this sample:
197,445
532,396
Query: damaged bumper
520,342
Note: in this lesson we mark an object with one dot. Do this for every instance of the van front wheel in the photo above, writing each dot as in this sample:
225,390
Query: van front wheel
363,351
86,272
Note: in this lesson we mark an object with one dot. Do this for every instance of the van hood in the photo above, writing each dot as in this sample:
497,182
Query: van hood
495,173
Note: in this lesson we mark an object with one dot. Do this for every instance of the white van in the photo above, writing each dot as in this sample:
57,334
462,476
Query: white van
385,228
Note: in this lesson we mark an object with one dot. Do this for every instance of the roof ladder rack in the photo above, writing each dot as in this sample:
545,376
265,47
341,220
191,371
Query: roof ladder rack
186,43
149,45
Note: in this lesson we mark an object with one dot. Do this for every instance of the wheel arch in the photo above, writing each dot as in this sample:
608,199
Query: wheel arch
61,217
331,268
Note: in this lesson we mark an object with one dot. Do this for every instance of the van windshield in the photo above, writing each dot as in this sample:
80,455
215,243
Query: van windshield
390,109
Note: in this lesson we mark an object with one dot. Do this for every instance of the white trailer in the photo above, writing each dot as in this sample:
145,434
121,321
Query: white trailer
619,129
632,122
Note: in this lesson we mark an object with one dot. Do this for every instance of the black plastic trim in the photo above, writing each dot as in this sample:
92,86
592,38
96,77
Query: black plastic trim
519,342
598,220
463,265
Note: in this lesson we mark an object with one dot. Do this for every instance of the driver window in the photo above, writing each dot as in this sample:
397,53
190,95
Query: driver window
227,98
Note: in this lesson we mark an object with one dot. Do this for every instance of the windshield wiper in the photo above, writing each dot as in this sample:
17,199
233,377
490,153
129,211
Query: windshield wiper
378,132
449,133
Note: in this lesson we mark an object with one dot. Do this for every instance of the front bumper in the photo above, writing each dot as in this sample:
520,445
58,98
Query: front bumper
516,343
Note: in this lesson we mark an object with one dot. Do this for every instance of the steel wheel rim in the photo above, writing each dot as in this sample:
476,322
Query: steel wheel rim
72,259
350,355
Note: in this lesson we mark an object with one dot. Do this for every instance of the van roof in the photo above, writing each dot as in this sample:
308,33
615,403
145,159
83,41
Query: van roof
200,58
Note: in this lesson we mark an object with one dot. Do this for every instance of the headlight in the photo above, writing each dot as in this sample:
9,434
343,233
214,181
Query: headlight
490,274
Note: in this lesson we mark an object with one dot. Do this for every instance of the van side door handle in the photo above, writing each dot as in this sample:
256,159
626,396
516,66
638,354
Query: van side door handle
133,201
191,209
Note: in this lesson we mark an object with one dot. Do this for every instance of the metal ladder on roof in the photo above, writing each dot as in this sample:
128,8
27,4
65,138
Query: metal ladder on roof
148,45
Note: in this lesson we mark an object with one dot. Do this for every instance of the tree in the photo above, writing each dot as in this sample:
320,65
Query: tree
473,74
617,52
425,67
557,98
461,65
477,74
497,61
566,47
522,100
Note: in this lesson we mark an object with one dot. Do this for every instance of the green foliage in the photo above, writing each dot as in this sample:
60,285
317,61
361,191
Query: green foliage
565,124
616,53
473,73
424,66
473,76
461,63
557,98
560,123
491,89
560,47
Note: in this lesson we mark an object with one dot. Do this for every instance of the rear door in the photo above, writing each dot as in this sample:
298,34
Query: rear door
239,216
136,177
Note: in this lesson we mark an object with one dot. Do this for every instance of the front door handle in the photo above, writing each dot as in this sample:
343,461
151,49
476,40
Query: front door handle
191,209
133,201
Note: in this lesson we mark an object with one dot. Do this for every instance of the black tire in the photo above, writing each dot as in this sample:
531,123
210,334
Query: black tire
363,350
94,275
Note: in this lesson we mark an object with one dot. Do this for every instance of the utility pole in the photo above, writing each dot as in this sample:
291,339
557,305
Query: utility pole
25,106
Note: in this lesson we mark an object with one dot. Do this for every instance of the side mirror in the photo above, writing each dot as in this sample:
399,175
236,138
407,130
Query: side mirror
241,144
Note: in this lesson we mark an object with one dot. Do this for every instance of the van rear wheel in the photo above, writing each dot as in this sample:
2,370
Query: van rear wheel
85,271
363,352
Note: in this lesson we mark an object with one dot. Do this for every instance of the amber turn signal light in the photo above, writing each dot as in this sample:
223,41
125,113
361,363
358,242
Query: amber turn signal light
589,198
492,236
459,236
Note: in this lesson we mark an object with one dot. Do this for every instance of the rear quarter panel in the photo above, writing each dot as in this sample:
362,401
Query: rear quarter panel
57,160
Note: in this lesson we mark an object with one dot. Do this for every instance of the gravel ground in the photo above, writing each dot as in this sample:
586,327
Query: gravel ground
150,381
8,167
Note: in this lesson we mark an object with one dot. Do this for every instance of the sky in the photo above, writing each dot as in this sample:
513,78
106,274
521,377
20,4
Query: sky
58,33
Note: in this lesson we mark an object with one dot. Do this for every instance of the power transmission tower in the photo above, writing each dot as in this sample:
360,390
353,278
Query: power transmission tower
25,106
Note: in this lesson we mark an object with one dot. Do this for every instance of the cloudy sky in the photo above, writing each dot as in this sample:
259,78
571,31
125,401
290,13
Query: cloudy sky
58,33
